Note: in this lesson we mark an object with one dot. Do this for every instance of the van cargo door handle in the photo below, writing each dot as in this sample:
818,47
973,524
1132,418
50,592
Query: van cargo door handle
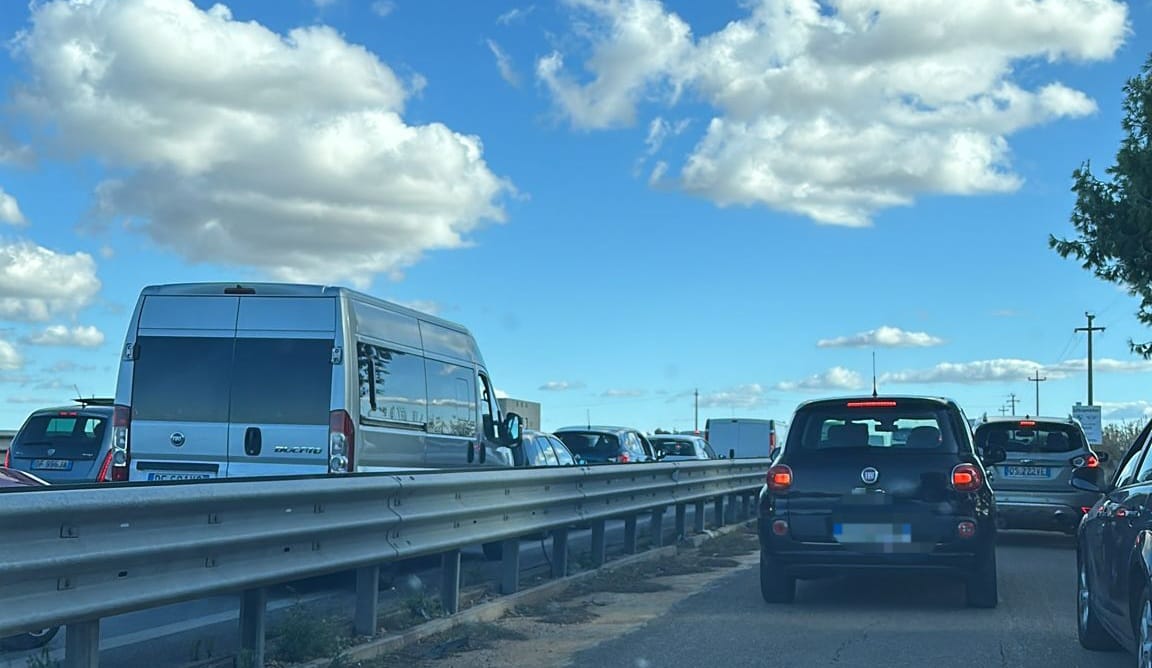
252,441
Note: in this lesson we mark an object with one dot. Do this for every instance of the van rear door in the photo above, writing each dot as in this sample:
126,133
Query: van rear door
283,379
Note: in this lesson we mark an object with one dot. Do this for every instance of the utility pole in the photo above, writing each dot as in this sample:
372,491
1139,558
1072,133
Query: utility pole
696,422
1013,401
1003,410
1037,379
1089,329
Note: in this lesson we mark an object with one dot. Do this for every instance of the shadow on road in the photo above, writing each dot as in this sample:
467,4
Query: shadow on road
1036,539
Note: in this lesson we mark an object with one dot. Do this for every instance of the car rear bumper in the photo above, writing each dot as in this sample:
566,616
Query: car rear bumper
1040,513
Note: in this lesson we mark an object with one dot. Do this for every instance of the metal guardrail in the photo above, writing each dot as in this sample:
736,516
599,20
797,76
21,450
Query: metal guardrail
72,556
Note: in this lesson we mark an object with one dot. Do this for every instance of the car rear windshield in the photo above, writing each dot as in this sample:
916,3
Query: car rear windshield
70,435
674,447
1031,436
894,425
590,443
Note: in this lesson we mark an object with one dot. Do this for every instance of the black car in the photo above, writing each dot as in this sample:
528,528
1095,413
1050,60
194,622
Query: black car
607,445
845,495
1114,558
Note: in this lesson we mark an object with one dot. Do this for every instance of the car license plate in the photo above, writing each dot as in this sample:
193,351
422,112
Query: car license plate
1026,471
158,476
872,533
52,464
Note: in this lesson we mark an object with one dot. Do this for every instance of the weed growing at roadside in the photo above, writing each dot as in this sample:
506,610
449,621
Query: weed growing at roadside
303,636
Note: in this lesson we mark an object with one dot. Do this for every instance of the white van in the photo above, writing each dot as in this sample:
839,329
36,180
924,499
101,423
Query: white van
741,437
223,380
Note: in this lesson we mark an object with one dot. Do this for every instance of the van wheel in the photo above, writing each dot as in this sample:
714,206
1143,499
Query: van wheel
981,587
776,586
1088,629
31,640
494,551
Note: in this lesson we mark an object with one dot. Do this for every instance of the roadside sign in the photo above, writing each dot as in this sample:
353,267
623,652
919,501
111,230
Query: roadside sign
1089,417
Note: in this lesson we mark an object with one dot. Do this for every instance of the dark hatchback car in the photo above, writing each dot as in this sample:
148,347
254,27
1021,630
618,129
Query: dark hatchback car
607,445
844,496
66,444
1114,557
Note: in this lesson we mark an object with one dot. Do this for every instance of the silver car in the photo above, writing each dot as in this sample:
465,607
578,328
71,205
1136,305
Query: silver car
1041,455
681,447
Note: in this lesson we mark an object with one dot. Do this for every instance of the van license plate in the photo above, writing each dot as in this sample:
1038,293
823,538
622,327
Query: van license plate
52,464
179,476
1026,471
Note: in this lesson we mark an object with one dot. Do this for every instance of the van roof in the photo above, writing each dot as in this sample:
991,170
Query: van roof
294,290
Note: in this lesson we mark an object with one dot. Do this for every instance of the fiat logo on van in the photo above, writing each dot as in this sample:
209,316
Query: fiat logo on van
177,439
869,475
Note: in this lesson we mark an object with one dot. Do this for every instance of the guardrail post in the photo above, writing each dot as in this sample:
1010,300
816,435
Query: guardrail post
510,566
367,600
599,544
698,517
746,506
81,645
657,526
450,583
253,604
730,511
719,514
560,552
630,534
681,520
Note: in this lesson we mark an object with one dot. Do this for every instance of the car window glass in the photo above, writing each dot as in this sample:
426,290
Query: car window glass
563,456
1127,472
546,452
1144,473
535,454
1032,437
182,378
281,381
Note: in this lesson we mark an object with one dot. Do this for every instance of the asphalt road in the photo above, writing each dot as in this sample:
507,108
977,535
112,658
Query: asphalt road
875,621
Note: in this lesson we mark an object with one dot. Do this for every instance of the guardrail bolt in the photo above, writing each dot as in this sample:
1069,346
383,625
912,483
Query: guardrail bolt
63,583
213,518
210,562
68,531
318,508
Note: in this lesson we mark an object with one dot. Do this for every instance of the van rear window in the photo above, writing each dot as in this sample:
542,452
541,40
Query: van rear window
182,378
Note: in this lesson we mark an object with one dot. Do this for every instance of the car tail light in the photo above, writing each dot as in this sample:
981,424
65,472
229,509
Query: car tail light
966,478
105,469
341,442
1086,462
966,529
121,452
1084,510
780,527
8,458
780,478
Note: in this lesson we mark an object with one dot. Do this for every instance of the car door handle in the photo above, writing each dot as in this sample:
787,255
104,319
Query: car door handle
252,441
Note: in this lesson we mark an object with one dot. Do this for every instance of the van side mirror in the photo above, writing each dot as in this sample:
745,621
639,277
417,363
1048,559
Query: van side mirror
512,431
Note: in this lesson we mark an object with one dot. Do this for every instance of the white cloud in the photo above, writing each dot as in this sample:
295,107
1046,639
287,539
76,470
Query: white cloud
836,378
10,210
500,394
1125,410
85,336
504,64
1102,365
623,393
883,337
37,283
838,110
980,371
750,395
10,357
287,153
561,385
515,14
383,8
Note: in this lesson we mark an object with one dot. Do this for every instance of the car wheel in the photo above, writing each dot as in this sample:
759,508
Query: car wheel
776,586
1088,629
1144,631
30,640
981,591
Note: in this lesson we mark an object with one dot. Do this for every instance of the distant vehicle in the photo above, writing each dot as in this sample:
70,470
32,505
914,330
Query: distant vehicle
223,380
541,449
66,444
1114,557
834,502
1032,483
681,447
12,478
599,444
741,437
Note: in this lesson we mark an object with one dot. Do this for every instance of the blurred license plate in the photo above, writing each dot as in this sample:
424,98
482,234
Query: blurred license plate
873,533
1026,471
179,476
52,464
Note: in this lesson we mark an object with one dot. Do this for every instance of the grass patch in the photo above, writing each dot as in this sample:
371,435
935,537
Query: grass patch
303,636
733,544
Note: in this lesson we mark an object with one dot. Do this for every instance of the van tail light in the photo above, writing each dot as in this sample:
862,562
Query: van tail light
780,478
966,478
105,469
1086,462
121,453
8,457
341,442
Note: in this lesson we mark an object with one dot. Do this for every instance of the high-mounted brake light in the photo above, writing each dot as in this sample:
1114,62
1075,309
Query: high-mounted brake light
67,413
239,290
780,478
966,478
871,404
121,444
1027,423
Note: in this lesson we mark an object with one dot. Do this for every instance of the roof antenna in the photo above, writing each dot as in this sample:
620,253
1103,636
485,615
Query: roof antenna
875,392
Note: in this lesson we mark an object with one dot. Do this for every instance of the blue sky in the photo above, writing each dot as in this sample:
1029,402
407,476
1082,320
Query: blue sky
624,200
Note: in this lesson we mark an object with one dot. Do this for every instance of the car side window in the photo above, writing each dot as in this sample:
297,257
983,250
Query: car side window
1132,462
1145,471
562,455
532,454
547,454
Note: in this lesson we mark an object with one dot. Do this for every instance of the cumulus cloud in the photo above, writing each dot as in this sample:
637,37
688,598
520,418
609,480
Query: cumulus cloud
883,337
284,152
980,371
10,357
836,378
85,336
383,8
623,393
10,210
750,395
515,14
504,64
37,283
837,110
561,385
1125,410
